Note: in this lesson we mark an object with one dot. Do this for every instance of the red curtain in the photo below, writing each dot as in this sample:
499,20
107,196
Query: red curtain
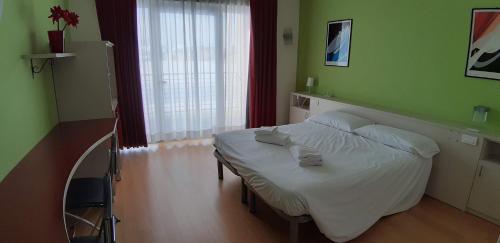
262,76
118,24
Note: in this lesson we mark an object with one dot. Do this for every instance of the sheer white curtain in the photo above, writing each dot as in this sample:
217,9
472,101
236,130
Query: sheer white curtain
194,58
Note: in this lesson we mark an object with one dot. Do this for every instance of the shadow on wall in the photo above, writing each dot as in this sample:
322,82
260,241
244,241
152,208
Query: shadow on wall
26,10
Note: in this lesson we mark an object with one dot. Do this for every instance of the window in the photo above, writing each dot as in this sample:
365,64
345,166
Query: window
194,58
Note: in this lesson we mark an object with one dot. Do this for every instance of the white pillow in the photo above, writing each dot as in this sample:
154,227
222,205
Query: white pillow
340,120
400,139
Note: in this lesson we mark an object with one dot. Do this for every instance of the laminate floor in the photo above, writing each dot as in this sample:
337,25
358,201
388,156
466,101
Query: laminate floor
170,193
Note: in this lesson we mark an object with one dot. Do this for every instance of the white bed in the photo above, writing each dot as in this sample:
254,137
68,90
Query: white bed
359,182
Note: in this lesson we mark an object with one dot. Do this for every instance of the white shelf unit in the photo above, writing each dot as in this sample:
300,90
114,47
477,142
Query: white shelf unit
300,108
85,89
86,86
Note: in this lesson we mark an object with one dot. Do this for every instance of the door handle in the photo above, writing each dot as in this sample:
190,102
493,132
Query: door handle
480,171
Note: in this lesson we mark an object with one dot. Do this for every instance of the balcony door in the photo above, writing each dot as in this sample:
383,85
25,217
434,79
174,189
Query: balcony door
194,58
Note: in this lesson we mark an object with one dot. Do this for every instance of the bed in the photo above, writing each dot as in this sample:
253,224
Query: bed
359,182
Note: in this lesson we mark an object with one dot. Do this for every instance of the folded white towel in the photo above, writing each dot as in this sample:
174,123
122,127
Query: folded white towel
306,156
266,131
304,152
277,139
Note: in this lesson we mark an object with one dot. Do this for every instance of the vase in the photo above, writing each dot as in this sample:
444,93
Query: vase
56,41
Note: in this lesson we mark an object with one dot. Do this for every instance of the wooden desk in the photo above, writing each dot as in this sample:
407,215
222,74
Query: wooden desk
32,195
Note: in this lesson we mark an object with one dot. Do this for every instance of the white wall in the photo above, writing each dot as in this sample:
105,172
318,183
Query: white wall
88,29
288,17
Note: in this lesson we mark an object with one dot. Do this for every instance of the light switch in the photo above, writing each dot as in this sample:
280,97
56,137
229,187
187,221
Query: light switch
469,139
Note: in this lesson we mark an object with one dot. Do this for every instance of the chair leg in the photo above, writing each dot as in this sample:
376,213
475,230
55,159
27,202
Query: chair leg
251,203
118,167
294,232
118,175
85,221
101,219
220,171
244,192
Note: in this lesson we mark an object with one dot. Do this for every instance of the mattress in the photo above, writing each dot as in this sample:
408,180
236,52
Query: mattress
359,182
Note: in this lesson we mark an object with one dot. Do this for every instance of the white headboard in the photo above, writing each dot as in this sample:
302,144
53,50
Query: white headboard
453,169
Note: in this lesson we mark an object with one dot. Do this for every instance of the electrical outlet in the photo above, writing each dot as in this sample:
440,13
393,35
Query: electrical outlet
469,139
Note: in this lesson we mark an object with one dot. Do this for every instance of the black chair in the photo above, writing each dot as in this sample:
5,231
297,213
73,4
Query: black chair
107,232
90,192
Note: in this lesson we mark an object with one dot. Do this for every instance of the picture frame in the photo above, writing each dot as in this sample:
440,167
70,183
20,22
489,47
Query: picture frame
338,43
483,55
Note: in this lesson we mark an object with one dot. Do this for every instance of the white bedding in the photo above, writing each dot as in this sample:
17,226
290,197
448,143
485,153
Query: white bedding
359,182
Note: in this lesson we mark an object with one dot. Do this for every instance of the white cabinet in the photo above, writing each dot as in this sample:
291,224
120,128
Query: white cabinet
304,105
485,195
484,198
315,106
298,115
85,89
300,108
85,85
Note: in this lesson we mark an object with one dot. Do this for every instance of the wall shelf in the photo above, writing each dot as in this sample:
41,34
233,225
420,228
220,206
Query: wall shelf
49,55
300,106
302,102
46,57
491,151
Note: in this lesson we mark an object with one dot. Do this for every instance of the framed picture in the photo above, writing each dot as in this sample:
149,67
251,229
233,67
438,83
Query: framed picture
483,59
338,43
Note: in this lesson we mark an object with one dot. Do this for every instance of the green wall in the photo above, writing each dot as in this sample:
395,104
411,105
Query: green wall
27,106
406,55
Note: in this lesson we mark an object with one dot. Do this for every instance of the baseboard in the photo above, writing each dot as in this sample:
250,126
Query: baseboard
481,215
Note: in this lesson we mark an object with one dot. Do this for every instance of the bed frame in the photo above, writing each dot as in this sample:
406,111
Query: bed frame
453,170
249,194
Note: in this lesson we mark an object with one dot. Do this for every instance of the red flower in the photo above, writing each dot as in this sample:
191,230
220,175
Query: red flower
71,18
56,13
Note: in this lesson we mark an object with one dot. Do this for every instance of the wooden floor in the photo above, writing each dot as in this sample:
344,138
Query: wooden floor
170,193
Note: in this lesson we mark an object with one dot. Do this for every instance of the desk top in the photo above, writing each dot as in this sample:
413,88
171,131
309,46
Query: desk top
31,196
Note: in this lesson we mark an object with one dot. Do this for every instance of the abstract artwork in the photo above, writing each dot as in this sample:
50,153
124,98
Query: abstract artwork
483,60
338,43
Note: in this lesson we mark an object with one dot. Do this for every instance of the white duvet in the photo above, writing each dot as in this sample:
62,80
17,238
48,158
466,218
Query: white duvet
359,182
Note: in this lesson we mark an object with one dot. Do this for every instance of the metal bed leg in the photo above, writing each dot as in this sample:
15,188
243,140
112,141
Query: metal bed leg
220,171
251,203
244,192
294,232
